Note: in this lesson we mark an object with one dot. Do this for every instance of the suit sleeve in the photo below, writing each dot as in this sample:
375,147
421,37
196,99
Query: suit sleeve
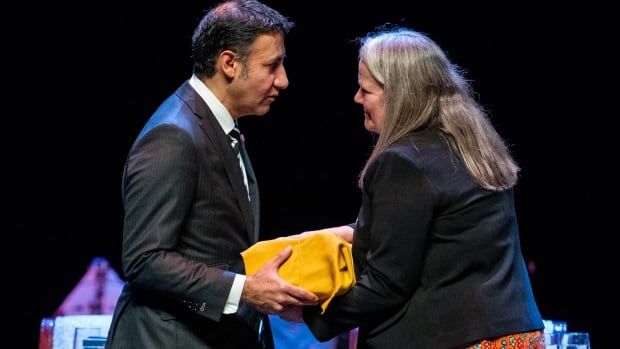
398,208
158,191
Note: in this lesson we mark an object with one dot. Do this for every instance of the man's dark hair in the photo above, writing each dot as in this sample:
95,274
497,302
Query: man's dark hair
233,25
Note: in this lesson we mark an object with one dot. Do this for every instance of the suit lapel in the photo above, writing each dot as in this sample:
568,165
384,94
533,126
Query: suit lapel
253,186
221,141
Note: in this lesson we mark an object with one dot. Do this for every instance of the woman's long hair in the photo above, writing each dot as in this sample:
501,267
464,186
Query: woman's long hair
423,89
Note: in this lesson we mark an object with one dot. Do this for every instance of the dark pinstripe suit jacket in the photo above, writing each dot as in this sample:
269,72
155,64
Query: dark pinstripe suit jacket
187,218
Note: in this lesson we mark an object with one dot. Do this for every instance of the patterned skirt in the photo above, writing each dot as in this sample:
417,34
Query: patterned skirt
525,340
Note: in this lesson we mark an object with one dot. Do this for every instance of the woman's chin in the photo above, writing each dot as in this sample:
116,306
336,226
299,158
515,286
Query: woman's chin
370,126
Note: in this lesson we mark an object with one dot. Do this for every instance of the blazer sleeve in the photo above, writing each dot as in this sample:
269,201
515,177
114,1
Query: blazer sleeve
398,208
158,191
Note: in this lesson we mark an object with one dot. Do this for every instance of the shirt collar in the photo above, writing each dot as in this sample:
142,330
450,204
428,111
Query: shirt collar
222,115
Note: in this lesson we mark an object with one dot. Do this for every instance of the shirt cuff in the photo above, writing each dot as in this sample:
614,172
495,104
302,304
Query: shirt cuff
232,303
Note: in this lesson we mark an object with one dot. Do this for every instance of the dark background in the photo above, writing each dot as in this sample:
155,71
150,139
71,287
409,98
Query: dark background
83,79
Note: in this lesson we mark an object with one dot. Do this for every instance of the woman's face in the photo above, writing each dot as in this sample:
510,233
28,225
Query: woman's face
370,96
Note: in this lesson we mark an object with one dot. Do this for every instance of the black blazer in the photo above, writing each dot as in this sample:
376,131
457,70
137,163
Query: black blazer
437,257
187,218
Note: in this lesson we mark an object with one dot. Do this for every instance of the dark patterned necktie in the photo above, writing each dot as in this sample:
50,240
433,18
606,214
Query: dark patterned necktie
235,140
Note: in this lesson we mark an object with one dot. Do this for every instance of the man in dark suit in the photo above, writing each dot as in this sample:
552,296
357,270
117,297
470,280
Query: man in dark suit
191,200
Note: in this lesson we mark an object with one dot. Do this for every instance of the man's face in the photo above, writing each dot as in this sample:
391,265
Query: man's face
259,81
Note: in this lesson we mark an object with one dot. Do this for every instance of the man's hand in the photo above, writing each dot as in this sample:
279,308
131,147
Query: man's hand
269,293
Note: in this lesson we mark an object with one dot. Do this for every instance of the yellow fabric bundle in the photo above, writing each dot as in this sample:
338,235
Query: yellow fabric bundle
321,262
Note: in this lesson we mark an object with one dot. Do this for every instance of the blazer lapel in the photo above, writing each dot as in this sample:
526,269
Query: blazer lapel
221,141
253,186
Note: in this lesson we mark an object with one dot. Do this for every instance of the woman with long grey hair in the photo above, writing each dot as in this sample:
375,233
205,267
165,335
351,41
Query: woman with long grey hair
436,243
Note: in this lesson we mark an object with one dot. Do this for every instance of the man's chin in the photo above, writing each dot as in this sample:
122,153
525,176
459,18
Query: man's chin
262,110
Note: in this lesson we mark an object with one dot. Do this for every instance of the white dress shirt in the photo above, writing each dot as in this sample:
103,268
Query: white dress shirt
227,123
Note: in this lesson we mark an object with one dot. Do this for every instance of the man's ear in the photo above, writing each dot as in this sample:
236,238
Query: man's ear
228,63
